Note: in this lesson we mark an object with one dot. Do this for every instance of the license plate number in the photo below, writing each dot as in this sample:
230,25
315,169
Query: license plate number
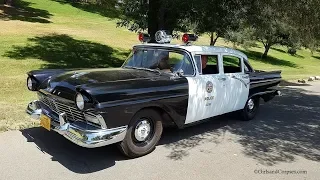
45,122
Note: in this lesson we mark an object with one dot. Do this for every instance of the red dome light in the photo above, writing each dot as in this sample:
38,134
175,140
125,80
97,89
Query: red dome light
185,38
140,37
144,38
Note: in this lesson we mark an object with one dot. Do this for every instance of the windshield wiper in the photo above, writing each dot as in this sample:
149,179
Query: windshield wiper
141,68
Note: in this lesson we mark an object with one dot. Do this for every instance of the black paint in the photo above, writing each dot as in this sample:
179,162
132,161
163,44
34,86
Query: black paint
118,93
264,84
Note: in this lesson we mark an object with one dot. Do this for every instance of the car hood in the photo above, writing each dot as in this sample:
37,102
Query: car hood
97,81
89,76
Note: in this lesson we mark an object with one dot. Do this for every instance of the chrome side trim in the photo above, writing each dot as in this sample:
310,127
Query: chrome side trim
241,80
267,80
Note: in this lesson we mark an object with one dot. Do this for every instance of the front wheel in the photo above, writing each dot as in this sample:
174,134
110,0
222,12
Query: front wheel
144,132
251,108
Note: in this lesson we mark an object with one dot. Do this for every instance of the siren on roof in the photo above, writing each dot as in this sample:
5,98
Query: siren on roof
162,36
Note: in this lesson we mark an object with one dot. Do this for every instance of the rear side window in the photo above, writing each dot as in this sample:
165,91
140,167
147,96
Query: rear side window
231,64
212,66
207,64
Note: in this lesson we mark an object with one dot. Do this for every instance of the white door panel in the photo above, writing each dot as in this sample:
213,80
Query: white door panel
237,85
202,103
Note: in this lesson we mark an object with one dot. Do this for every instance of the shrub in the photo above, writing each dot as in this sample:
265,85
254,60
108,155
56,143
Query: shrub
292,51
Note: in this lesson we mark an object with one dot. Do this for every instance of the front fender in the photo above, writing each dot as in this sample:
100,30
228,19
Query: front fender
120,114
42,76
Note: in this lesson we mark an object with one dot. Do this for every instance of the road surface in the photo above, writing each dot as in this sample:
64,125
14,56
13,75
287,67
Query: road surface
283,142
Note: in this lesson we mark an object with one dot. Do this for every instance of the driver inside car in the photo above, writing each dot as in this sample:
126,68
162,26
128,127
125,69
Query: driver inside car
209,69
204,61
164,64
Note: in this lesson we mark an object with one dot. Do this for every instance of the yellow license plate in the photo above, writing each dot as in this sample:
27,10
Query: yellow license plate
45,122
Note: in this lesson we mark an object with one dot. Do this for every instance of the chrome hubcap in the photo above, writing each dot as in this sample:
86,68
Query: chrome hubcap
250,104
142,130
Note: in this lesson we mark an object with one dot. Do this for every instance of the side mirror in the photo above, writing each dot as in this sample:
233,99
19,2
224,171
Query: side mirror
180,72
177,74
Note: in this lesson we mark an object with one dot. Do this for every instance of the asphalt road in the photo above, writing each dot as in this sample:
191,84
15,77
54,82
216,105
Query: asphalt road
284,138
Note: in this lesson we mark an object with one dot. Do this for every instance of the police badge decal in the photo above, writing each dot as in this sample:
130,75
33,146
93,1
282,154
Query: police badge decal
209,86
209,89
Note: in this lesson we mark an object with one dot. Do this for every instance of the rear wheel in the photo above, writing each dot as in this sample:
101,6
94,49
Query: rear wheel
251,108
144,132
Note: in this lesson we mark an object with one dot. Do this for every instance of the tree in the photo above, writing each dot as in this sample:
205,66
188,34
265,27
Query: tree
265,24
152,15
274,32
217,17
305,16
291,23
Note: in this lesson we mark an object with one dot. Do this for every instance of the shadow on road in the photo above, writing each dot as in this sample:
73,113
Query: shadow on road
212,131
75,158
290,83
286,128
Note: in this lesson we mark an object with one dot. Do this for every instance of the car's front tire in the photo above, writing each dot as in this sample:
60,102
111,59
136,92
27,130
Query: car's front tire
143,134
251,108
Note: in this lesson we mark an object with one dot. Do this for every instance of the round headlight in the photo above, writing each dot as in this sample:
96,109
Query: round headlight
80,101
30,84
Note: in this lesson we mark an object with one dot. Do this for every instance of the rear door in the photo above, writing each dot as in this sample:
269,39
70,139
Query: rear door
237,82
206,91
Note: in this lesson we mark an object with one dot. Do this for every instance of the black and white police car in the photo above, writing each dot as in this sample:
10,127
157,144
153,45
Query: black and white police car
159,85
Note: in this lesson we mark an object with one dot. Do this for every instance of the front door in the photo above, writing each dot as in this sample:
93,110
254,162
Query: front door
237,82
206,91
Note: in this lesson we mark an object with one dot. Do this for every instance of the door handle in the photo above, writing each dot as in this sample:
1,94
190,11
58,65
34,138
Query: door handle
222,78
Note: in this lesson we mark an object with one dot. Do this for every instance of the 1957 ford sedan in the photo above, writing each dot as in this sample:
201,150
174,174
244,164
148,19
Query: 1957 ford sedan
159,85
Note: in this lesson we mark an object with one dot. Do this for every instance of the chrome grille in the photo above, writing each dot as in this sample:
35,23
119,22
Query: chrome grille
73,113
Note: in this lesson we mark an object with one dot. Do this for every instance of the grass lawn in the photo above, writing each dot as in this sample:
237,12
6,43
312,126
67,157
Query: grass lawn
53,34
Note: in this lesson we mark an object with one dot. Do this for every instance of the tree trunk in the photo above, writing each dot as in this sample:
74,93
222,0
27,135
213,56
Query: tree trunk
8,2
161,18
213,41
266,50
211,38
153,18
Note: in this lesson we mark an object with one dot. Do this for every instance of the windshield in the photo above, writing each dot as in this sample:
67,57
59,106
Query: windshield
158,59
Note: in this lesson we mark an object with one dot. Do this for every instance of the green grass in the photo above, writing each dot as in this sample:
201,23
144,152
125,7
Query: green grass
54,34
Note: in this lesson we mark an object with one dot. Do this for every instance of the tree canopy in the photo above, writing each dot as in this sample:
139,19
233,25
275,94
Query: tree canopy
290,23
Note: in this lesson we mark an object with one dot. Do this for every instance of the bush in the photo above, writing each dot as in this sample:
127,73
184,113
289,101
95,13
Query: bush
292,51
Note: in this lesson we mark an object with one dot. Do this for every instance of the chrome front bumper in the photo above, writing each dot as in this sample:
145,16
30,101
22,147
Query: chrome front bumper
78,132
